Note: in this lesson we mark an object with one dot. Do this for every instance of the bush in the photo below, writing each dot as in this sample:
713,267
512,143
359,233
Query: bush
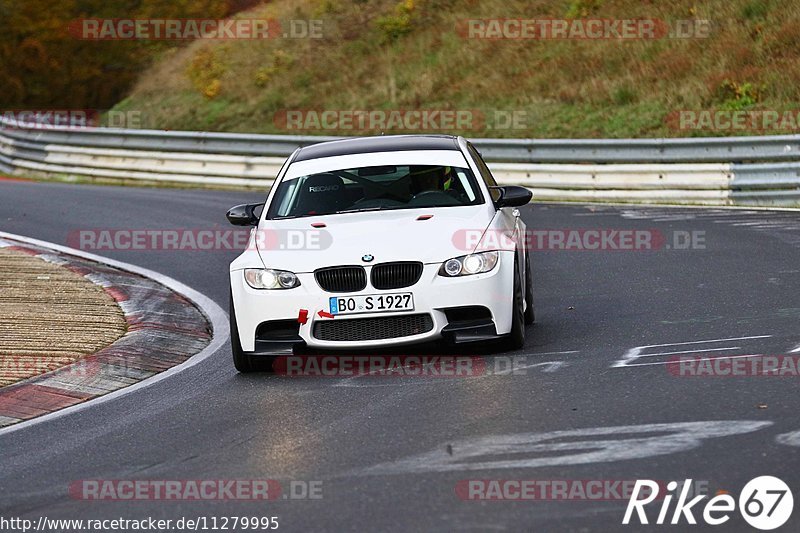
735,96
205,70
582,8
392,27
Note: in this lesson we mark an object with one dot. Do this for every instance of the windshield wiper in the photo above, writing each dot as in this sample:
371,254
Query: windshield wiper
360,210
326,214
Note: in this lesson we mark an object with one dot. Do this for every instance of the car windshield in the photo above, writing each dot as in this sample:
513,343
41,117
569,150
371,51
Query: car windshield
374,188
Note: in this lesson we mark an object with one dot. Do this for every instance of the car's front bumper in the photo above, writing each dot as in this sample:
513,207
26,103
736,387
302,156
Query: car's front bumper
433,295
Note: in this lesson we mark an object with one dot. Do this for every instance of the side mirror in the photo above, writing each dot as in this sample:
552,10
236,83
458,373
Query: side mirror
243,215
512,196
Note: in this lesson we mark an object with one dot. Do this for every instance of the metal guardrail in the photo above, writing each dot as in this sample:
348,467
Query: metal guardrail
684,150
738,170
692,150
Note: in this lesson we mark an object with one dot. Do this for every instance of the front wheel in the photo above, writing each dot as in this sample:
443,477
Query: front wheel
516,337
530,316
242,361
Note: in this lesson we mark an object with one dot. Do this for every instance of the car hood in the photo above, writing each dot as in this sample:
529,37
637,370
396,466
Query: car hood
399,235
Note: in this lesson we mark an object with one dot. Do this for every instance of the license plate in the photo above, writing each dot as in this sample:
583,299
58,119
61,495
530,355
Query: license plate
372,303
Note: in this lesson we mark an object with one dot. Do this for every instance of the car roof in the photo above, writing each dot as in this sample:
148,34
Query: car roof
383,143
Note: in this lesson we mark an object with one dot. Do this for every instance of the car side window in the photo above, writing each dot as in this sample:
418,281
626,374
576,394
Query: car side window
484,171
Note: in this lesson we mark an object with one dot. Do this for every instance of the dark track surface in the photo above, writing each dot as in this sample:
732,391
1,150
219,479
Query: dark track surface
209,422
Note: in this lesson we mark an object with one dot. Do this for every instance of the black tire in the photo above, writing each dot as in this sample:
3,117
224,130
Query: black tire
530,315
516,337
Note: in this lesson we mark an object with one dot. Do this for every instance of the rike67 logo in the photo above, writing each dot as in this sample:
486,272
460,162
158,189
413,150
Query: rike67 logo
765,503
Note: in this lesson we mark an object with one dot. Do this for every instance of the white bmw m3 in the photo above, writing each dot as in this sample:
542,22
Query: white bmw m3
380,241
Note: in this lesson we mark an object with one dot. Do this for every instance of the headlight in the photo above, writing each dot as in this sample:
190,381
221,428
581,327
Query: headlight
267,278
466,265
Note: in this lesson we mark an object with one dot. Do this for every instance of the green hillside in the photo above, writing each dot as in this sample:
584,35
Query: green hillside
415,55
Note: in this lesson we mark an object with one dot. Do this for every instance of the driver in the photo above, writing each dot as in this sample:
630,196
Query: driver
430,179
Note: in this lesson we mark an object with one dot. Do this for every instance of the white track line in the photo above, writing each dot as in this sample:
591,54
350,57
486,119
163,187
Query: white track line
550,366
214,313
635,353
694,360
711,340
692,351
526,354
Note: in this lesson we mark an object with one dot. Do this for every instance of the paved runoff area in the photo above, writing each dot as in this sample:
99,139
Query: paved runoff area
50,316
72,329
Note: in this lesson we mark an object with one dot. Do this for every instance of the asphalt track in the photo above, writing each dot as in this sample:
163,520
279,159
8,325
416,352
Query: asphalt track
390,451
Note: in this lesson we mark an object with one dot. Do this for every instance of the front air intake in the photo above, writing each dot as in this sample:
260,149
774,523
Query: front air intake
371,329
